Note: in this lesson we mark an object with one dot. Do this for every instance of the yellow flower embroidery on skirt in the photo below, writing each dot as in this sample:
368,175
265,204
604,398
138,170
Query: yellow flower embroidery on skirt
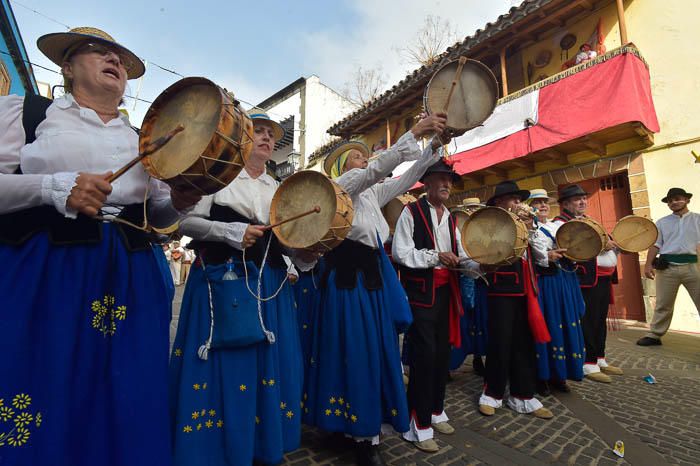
106,315
16,421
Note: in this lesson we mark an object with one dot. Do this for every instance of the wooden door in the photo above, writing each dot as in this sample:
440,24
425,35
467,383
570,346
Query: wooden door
608,202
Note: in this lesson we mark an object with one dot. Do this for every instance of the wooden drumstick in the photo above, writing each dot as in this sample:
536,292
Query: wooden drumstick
150,148
462,61
315,210
458,73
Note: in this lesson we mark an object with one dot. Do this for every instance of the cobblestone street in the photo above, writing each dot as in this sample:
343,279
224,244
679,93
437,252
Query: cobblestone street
659,424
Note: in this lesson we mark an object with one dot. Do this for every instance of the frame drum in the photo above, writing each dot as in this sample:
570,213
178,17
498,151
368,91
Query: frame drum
583,239
634,233
494,236
319,232
473,98
217,139
392,210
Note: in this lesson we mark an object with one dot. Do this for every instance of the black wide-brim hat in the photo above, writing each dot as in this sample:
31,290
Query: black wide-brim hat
441,167
676,192
571,191
508,188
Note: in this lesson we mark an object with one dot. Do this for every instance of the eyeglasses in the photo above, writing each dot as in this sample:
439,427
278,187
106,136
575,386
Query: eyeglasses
102,50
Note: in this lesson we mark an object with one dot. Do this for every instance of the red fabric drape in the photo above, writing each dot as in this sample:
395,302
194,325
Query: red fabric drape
608,94
535,319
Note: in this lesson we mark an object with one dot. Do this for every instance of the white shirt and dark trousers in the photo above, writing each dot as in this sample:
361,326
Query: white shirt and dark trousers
679,238
418,239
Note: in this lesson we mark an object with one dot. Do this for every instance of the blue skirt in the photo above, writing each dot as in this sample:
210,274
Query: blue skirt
241,404
84,339
355,382
306,293
472,325
562,305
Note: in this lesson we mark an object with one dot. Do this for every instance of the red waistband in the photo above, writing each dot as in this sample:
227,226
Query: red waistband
441,277
605,271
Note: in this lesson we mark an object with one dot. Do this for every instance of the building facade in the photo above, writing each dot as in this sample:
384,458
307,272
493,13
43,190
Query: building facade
16,75
305,108
622,123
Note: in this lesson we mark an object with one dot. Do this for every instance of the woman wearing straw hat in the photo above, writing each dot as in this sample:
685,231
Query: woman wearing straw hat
562,306
236,384
85,310
355,382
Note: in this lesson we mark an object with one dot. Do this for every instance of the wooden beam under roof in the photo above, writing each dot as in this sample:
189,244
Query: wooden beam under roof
594,146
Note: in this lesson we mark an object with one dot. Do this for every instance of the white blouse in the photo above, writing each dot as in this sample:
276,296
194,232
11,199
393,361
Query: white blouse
404,250
70,140
369,195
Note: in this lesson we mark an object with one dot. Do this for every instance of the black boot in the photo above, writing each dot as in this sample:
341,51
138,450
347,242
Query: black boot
478,365
368,454
543,388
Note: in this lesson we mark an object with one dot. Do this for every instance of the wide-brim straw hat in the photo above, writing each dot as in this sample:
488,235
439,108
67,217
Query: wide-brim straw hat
538,194
339,150
471,202
258,114
57,44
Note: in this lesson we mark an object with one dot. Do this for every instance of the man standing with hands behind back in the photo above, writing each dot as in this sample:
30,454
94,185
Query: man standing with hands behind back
678,241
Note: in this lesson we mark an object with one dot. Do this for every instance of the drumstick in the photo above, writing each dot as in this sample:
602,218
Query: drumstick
150,148
458,73
315,210
462,61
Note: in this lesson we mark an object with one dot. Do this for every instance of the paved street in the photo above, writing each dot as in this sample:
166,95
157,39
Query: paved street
659,424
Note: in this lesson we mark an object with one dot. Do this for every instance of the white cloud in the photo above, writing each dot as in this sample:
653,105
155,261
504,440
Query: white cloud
383,26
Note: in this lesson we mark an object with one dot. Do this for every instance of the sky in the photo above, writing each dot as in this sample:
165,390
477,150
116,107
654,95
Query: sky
252,48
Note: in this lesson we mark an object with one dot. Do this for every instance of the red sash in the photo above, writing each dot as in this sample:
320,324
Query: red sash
442,277
535,319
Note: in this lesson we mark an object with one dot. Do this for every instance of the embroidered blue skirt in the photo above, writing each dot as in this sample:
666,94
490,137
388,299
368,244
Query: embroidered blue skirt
241,404
562,305
355,382
473,324
306,292
84,339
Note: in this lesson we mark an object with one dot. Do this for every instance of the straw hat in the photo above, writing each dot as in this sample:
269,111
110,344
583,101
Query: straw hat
538,194
471,202
259,114
57,44
339,150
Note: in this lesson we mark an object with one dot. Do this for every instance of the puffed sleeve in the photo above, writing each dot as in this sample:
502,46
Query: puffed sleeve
17,192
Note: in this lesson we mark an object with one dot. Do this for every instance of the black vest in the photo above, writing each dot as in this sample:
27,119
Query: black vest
351,259
508,280
215,252
418,283
18,227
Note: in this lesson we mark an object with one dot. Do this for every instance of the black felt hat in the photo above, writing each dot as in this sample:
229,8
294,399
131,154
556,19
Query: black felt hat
676,192
571,191
507,188
441,167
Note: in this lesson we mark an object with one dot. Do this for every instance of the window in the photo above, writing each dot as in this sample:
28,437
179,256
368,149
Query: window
618,181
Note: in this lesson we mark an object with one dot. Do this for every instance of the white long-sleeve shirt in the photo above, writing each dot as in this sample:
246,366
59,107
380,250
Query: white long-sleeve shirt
246,195
70,140
404,250
369,195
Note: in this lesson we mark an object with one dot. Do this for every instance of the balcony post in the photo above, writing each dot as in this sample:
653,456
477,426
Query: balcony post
388,134
504,76
621,21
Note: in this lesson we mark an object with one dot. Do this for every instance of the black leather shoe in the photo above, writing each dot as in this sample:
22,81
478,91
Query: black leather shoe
560,385
368,454
649,341
543,388
478,365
